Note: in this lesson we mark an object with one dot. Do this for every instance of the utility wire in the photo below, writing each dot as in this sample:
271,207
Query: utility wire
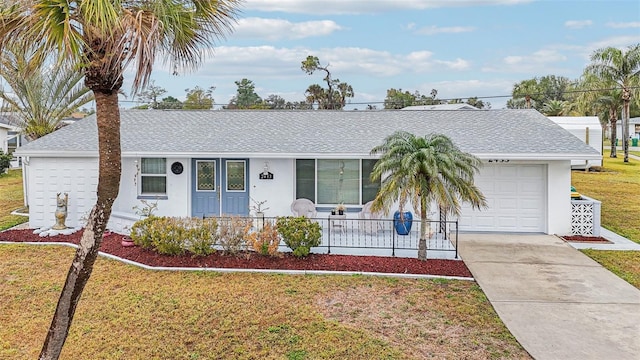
141,102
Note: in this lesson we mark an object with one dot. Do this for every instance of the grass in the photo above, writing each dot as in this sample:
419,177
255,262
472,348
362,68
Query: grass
625,264
12,199
131,313
618,188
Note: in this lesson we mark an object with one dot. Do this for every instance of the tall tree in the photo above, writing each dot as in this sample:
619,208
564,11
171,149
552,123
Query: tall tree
276,102
425,170
246,96
397,99
534,93
622,68
151,93
169,102
199,98
42,94
554,108
597,96
334,97
102,38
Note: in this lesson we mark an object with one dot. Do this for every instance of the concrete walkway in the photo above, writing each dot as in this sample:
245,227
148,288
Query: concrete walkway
556,301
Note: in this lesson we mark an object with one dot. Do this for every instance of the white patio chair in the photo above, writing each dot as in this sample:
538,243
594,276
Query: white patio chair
303,207
368,220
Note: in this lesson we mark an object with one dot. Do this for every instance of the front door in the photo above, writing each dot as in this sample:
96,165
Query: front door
205,190
219,186
235,190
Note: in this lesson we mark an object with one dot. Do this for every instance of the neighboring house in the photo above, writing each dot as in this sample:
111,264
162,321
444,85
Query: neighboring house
204,163
587,129
460,106
634,128
10,138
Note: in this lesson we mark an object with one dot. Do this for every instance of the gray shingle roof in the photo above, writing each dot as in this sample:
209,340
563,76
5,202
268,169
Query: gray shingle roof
485,133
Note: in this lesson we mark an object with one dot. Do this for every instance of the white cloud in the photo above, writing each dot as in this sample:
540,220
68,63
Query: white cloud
276,29
323,7
433,30
626,25
578,24
458,64
542,61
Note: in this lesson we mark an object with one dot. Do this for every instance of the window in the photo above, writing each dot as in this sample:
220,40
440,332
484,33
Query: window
153,176
330,181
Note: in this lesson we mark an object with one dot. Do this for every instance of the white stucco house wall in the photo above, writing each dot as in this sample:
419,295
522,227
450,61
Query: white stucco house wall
587,129
206,163
634,128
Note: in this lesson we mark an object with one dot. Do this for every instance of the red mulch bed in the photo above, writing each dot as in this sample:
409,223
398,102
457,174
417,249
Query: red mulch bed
586,239
250,260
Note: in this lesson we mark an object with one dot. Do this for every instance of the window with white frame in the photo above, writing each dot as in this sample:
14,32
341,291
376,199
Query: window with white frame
153,176
335,181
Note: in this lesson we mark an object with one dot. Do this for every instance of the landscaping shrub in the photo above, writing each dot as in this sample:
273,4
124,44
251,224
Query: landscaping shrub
5,162
266,240
232,233
175,235
299,233
204,237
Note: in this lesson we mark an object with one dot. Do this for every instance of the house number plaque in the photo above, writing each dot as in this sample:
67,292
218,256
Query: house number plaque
266,176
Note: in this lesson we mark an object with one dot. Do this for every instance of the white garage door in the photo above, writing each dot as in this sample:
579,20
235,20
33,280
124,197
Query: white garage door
516,195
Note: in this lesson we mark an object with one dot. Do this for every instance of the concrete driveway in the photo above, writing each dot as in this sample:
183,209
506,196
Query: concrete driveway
557,302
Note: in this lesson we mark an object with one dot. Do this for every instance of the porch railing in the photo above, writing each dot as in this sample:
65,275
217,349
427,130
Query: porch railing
339,234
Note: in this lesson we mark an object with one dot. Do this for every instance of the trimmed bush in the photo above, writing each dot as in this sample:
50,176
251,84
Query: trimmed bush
266,240
299,233
232,233
5,162
175,235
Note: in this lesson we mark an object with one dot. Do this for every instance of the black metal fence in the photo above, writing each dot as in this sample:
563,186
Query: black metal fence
339,232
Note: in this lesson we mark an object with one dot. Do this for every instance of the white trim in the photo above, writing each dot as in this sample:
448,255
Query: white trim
226,176
141,175
215,172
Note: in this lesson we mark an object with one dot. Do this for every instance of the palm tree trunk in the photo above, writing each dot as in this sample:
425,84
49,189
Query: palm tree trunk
425,228
614,134
625,124
108,120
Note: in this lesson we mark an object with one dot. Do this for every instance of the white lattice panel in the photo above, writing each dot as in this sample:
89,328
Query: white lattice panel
582,218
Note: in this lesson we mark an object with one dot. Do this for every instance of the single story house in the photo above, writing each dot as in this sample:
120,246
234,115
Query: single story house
634,128
7,132
207,163
587,129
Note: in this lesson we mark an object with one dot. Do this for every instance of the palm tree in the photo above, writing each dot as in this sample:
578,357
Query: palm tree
609,105
425,170
102,38
42,96
554,108
617,67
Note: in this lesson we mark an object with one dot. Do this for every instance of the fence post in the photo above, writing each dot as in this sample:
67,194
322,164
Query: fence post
393,241
456,239
329,237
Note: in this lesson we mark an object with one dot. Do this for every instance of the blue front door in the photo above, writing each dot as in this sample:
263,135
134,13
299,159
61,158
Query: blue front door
219,186
205,190
235,187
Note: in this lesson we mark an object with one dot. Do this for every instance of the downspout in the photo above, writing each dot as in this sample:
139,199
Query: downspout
25,183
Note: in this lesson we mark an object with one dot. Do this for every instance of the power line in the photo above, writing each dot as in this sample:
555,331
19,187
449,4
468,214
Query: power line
575,91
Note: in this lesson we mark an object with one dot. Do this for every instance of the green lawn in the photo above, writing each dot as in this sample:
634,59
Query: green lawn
618,188
131,313
11,199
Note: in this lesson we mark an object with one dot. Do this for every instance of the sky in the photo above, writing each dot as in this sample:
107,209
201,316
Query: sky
461,48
